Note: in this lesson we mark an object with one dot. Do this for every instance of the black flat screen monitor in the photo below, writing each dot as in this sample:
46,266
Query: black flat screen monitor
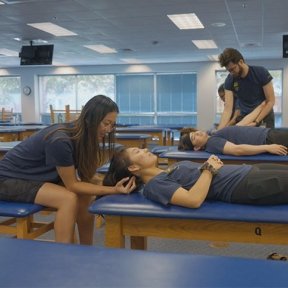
36,55
285,46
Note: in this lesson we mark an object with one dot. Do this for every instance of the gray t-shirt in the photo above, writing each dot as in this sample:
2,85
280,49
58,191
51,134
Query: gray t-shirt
36,157
185,173
236,135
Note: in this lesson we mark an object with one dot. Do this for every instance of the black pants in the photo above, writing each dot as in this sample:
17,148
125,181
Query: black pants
265,184
278,136
269,120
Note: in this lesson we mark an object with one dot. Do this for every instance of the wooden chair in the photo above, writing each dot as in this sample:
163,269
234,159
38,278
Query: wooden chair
63,115
6,116
71,115
58,115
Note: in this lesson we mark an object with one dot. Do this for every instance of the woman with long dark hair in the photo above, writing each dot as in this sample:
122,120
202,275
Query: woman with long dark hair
55,168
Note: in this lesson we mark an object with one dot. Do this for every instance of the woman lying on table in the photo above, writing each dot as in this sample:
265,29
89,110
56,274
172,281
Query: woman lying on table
189,184
236,140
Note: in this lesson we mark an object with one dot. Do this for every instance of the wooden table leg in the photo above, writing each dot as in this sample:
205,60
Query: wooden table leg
113,232
138,242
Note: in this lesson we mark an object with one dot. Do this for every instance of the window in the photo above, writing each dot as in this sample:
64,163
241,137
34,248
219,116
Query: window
75,90
143,99
135,98
157,99
277,84
10,91
57,91
177,99
92,85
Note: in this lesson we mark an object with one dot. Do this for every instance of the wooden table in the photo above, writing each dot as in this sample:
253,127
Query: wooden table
136,217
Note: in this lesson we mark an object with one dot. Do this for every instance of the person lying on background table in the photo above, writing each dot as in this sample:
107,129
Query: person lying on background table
55,168
235,110
189,184
236,117
236,140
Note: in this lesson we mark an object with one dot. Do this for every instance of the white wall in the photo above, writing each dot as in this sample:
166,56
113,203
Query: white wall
206,83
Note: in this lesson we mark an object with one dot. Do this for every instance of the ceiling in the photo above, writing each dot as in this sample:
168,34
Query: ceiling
141,30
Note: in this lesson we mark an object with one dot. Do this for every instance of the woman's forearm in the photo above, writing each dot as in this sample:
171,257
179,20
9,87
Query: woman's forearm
199,190
196,195
92,189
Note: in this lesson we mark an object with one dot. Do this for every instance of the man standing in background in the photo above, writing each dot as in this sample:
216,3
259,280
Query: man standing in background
251,84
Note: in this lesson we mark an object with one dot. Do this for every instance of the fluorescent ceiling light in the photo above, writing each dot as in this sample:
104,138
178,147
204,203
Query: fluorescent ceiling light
1,3
52,29
186,21
101,49
9,53
205,44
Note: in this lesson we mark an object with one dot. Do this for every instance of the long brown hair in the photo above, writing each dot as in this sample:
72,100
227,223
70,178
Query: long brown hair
89,152
118,169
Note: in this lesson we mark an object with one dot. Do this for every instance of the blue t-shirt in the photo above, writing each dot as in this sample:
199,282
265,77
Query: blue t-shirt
185,173
36,157
237,135
249,90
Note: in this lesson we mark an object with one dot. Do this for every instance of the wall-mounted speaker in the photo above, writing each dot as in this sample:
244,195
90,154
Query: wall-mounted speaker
285,46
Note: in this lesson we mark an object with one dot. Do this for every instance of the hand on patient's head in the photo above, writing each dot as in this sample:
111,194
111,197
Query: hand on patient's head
126,185
118,168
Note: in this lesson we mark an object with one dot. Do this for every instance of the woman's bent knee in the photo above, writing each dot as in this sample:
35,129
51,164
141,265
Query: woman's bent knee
55,196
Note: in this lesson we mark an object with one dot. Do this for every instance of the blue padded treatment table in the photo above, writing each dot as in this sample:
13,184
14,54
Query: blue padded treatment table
174,155
158,150
18,209
132,139
26,263
21,214
137,217
157,132
18,132
6,146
